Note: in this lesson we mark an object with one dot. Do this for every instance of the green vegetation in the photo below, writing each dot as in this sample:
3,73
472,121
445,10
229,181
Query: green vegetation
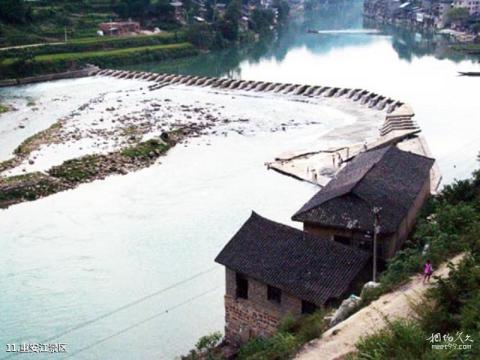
292,334
15,11
146,149
451,225
27,188
79,170
50,63
205,348
69,174
110,56
3,108
30,143
262,19
96,44
400,340
458,14
472,49
47,25
27,22
439,235
7,164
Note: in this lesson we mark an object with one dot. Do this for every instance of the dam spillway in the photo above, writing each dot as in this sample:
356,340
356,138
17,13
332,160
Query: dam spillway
362,96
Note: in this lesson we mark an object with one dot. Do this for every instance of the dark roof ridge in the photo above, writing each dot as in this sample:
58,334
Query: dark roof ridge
302,264
349,189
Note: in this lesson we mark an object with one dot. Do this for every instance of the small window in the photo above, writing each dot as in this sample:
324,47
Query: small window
274,294
308,307
342,239
242,287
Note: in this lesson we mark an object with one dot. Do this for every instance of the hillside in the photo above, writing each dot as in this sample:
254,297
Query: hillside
47,21
340,340
394,320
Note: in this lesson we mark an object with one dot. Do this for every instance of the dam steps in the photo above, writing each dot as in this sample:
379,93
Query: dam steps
361,96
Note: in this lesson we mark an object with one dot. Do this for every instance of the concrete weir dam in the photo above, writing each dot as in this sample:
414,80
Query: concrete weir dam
315,165
364,97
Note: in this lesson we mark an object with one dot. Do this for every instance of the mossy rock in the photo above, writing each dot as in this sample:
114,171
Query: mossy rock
78,170
146,150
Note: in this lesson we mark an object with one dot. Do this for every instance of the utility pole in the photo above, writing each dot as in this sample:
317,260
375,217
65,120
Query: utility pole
65,29
376,230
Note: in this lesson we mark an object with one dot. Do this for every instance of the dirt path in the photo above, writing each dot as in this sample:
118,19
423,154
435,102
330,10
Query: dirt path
340,340
31,45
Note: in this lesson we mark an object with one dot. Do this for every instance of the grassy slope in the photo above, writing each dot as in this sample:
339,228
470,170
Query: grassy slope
113,53
473,49
94,43
452,305
50,17
83,45
54,63
450,224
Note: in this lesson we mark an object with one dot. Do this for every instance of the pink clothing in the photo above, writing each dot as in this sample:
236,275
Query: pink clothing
428,269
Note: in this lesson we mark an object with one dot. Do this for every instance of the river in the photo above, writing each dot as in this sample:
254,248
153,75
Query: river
123,268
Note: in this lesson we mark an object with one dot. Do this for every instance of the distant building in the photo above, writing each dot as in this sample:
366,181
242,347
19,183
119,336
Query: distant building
473,6
273,270
119,28
243,23
440,11
221,9
395,181
179,11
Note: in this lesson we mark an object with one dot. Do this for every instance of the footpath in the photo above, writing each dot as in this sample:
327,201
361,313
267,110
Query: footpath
339,341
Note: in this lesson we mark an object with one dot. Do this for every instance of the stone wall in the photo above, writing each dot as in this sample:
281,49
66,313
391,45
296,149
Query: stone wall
87,71
255,316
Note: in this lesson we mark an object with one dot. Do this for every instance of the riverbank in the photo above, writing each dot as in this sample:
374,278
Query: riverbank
12,68
71,173
3,108
471,49
92,135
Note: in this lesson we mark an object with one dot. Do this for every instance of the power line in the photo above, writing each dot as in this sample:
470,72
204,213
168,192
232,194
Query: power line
121,308
120,332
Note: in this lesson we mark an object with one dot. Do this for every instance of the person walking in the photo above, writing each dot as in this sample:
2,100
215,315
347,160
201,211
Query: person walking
427,271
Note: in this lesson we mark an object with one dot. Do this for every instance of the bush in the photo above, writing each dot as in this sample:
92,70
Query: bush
278,347
144,149
98,44
292,333
79,170
208,342
27,187
401,340
202,36
451,306
441,232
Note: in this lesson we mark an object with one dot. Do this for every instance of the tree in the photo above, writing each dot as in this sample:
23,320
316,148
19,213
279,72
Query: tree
457,14
132,8
163,11
206,344
201,35
283,10
229,24
15,11
261,20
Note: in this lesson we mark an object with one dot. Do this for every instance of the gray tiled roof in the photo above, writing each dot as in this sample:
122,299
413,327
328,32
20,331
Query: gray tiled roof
299,263
388,178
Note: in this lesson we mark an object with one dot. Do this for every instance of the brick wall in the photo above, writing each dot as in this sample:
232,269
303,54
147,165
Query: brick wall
245,318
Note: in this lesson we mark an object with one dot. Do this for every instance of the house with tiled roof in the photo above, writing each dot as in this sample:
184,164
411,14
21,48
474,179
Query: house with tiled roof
387,183
273,270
